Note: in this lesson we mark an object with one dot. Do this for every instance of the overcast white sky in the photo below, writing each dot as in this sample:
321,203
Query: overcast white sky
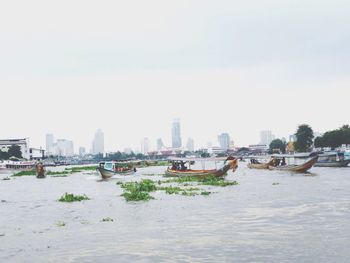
131,67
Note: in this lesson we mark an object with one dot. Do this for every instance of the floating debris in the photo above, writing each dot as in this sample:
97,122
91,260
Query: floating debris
107,219
60,224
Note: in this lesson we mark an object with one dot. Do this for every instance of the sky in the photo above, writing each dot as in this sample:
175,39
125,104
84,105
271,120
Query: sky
131,67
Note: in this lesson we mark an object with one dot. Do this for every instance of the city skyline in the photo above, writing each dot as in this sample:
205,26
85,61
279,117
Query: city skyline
74,75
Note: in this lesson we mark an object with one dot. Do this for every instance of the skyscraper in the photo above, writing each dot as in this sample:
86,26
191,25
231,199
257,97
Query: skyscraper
266,137
160,144
145,145
176,134
49,144
82,151
190,145
64,147
98,144
224,140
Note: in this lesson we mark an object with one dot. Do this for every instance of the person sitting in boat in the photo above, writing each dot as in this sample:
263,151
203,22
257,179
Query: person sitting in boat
283,163
182,166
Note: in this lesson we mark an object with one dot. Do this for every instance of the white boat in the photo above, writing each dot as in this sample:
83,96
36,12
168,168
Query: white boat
6,166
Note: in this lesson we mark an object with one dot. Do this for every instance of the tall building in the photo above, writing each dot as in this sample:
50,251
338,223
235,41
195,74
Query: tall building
145,145
64,147
82,151
160,144
98,144
176,134
49,144
224,140
266,137
190,145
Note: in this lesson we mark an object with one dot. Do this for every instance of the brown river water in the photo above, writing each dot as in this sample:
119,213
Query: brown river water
270,216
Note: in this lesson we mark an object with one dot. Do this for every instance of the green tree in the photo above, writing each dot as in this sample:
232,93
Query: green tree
278,144
334,138
14,150
305,137
3,155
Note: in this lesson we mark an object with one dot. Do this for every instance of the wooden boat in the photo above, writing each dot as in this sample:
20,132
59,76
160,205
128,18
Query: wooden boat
179,168
40,171
258,165
109,169
302,168
332,159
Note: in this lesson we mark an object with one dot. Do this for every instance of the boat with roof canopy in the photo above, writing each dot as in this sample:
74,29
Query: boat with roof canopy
120,167
182,167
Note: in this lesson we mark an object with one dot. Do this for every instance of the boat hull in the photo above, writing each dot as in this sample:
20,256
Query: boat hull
296,168
343,163
106,174
202,173
258,166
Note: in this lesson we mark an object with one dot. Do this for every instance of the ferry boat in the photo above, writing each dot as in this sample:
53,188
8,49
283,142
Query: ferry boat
17,165
333,159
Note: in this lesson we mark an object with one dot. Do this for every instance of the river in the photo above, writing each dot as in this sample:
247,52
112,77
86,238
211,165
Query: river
270,216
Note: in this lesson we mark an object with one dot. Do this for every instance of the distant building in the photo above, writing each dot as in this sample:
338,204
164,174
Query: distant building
176,134
224,141
23,143
190,145
292,138
49,144
259,147
98,144
64,148
128,150
82,151
160,144
266,137
145,145
232,145
36,154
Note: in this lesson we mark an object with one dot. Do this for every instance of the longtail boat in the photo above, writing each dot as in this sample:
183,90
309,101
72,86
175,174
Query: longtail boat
332,159
284,162
179,167
109,169
301,168
40,171
257,165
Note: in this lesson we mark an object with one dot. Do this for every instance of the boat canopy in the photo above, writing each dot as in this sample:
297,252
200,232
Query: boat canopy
212,159
297,155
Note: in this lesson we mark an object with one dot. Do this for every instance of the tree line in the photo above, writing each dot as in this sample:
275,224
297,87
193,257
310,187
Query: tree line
13,151
305,139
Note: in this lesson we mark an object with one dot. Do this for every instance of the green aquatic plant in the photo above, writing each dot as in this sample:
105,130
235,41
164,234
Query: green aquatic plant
188,193
25,173
171,189
275,183
138,191
137,196
145,185
205,193
60,224
203,180
6,178
72,198
56,173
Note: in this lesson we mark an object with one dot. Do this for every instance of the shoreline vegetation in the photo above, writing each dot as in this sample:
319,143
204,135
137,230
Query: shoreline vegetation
186,186
64,173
